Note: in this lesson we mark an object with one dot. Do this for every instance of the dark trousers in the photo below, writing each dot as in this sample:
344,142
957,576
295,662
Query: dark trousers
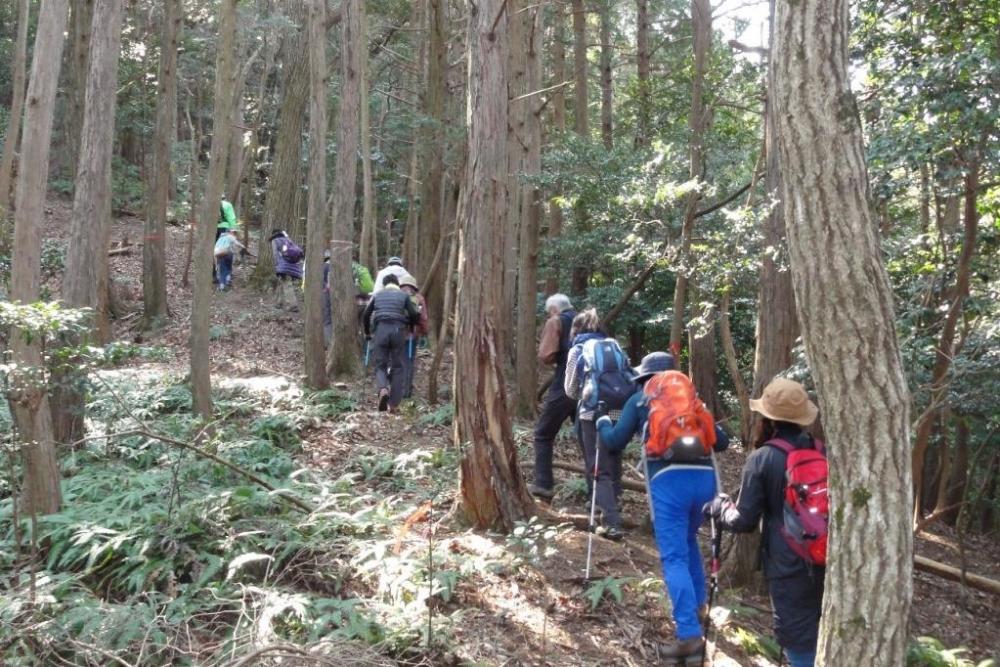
797,602
390,357
609,472
556,409
224,267
409,366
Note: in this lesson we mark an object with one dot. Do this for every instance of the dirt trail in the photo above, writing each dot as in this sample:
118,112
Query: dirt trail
536,616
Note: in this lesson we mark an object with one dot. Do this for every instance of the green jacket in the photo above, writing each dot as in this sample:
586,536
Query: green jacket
227,216
362,278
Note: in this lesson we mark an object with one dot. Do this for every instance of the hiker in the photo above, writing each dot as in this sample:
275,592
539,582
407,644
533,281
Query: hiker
598,372
553,349
678,487
363,283
409,285
390,313
288,258
394,267
227,223
225,248
795,584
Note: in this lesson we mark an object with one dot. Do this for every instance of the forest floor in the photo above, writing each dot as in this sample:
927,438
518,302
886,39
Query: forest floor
535,610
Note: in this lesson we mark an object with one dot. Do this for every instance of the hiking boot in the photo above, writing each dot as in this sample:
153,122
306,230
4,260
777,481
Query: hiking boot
610,533
383,400
686,652
541,492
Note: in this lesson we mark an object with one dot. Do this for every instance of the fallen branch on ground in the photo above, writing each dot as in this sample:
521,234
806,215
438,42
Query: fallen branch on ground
950,573
626,483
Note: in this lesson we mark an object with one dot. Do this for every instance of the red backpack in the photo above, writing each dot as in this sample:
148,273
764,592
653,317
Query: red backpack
807,501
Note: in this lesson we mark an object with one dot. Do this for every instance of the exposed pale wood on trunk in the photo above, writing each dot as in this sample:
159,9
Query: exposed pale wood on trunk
859,377
30,406
342,354
492,491
225,66
317,230
154,247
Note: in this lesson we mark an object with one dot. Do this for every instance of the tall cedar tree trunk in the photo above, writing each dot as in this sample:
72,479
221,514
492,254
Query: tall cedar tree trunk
85,282
701,26
342,354
449,309
579,278
317,231
644,91
225,67
862,390
283,204
81,23
704,364
30,405
607,107
526,25
368,249
559,127
10,142
492,490
431,223
777,325
946,346
420,14
154,248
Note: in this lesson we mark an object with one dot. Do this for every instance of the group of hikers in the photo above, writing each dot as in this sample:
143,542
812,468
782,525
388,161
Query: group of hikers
393,312
783,482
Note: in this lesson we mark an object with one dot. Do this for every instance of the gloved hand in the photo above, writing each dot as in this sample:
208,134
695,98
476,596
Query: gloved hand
718,505
603,420
601,410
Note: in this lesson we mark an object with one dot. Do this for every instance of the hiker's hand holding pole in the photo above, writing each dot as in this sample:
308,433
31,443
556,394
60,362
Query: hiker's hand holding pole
714,509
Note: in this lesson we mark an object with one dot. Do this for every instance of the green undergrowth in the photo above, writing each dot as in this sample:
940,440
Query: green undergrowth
164,556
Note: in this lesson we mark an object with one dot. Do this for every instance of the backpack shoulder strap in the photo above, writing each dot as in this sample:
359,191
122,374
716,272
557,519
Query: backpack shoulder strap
781,445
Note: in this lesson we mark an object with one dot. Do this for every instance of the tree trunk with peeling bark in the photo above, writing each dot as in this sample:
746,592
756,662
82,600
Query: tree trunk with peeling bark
225,66
317,232
30,404
85,281
859,378
13,134
492,490
154,247
528,128
342,353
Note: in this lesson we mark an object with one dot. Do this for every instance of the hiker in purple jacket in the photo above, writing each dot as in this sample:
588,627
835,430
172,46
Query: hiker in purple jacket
288,269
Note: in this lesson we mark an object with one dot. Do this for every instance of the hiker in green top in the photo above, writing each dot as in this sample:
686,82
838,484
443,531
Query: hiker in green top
227,223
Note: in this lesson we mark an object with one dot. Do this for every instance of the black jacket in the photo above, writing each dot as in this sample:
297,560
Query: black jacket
390,306
762,494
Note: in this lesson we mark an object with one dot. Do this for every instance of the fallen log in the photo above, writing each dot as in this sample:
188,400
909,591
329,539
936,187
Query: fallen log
950,573
578,521
629,484
125,250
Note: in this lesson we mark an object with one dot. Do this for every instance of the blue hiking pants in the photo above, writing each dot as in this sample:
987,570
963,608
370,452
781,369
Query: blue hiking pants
678,493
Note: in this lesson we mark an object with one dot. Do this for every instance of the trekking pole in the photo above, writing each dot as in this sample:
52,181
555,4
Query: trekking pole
368,352
593,510
713,586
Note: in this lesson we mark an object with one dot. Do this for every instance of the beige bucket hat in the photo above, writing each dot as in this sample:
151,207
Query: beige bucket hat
786,400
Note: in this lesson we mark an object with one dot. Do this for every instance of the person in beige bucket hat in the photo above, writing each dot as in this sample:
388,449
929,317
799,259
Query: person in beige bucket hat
796,586
785,400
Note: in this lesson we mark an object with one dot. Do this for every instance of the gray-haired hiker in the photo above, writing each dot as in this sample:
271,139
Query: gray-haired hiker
388,318
557,407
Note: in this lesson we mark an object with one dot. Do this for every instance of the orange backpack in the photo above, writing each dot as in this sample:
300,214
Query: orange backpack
679,426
